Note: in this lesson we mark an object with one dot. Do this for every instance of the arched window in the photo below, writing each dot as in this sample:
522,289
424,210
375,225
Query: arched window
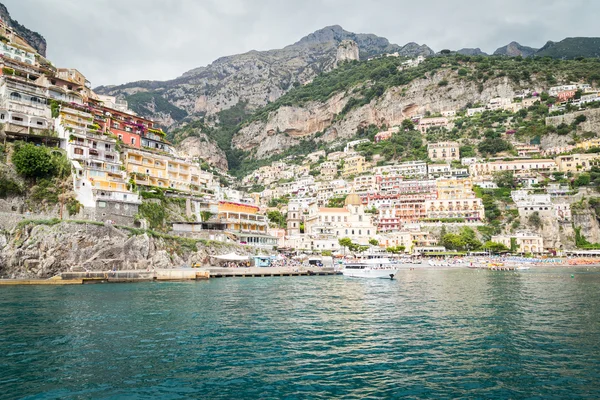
15,96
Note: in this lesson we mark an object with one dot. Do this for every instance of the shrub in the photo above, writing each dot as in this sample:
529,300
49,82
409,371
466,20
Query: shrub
33,161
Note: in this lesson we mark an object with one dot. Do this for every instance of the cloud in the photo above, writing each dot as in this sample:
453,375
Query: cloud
118,41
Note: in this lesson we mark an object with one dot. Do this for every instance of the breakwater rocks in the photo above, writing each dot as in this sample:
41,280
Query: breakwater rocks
42,249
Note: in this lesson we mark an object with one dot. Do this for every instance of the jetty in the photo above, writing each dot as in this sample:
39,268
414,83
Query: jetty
265,272
168,275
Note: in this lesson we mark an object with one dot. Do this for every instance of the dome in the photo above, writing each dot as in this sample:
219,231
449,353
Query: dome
353,200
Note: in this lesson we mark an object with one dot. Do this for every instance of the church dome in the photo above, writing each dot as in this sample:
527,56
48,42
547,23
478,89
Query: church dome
353,200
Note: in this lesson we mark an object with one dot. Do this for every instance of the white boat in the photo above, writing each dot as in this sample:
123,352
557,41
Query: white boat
380,268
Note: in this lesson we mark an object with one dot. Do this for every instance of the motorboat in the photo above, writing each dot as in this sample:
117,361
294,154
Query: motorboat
381,268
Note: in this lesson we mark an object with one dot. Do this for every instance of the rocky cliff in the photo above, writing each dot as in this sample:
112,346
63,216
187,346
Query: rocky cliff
287,125
36,40
42,251
347,51
257,77
201,146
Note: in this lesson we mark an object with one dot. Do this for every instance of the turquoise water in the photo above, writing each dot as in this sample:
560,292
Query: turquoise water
431,334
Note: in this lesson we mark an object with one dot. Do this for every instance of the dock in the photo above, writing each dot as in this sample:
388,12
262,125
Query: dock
266,272
169,275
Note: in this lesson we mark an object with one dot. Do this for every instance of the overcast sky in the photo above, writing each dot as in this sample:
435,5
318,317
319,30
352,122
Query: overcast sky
118,41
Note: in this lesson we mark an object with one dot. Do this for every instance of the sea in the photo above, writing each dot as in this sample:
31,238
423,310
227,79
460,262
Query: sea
430,334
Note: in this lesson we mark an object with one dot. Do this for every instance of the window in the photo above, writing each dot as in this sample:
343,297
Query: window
77,150
120,137
101,204
133,140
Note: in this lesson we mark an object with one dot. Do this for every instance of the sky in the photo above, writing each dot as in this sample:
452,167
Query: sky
119,41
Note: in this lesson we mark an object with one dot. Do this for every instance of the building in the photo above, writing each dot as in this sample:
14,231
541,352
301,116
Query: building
409,169
381,136
333,223
354,165
473,111
555,90
526,150
24,109
17,53
542,204
521,242
351,145
516,166
427,123
455,200
577,162
396,184
443,151
328,170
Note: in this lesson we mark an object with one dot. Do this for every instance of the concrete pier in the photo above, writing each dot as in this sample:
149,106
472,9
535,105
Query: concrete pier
168,275
264,272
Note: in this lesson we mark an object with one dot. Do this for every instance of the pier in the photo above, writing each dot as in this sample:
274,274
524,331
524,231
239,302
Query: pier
266,272
168,275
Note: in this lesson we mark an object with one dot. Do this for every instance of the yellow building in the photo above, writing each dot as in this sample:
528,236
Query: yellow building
155,169
588,144
455,199
525,242
239,217
454,189
577,162
354,165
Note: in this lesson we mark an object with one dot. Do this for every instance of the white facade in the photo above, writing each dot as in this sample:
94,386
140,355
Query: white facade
6,50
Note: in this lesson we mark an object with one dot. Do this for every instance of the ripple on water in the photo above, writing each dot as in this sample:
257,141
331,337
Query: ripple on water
441,334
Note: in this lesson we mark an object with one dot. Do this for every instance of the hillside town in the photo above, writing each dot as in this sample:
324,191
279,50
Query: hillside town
120,160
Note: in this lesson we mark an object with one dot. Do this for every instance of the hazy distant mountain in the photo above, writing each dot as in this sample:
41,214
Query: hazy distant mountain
471,52
514,49
36,40
571,48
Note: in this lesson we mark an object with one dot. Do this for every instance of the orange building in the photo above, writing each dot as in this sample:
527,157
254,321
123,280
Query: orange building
241,217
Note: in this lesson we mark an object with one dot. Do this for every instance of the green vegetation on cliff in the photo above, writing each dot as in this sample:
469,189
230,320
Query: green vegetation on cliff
139,102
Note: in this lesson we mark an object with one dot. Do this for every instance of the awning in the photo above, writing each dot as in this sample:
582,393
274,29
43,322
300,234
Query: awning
231,257
76,164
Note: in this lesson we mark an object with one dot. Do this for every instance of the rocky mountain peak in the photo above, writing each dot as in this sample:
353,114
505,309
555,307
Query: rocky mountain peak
514,49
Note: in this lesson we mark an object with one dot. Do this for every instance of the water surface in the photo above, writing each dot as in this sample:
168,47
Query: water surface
431,334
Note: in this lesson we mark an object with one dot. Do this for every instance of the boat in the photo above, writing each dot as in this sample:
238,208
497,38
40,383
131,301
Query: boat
381,268
522,268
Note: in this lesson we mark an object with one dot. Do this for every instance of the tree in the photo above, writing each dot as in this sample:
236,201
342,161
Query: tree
494,247
277,218
493,146
408,125
205,215
346,243
33,161
467,151
535,220
373,242
505,179
582,180
395,249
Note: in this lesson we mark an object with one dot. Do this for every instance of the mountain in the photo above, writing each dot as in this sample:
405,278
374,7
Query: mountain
471,52
36,40
514,49
255,77
571,48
